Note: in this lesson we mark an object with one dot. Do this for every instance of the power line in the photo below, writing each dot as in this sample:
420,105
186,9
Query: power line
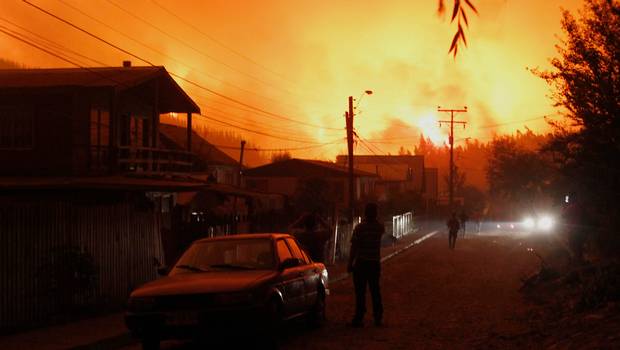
72,62
218,42
379,156
57,46
226,113
256,131
258,149
111,79
517,121
210,102
163,54
50,42
191,47
248,105
172,73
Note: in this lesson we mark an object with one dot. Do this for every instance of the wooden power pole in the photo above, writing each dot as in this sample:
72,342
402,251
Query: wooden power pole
452,122
349,119
235,223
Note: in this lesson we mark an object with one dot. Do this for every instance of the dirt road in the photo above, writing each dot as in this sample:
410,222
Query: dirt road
434,298
437,298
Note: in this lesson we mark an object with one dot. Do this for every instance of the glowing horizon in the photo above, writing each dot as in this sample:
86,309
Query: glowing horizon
301,61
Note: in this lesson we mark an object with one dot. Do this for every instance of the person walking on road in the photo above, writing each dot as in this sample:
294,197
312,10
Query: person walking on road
463,217
453,230
365,264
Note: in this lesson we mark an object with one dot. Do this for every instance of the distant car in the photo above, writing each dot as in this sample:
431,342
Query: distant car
253,280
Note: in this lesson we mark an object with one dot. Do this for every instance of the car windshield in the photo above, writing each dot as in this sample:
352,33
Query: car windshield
233,254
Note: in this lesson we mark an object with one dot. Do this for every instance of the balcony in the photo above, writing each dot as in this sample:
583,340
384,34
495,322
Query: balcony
154,160
131,159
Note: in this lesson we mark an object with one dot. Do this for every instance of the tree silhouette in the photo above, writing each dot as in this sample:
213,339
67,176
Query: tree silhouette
585,81
280,157
516,174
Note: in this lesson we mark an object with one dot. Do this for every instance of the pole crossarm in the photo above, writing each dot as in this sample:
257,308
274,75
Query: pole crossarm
451,139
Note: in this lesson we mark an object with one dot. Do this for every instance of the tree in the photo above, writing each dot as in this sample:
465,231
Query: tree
475,200
585,82
520,176
402,151
280,157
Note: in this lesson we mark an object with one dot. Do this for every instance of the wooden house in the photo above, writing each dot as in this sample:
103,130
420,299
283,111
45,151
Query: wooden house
86,187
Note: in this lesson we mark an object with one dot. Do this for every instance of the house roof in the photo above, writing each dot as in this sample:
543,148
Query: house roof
391,159
388,167
171,96
303,168
201,147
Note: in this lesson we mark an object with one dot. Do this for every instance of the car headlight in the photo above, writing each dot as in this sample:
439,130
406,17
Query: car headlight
545,223
234,298
141,304
529,223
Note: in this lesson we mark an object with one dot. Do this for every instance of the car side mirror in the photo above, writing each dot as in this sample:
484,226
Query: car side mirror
288,263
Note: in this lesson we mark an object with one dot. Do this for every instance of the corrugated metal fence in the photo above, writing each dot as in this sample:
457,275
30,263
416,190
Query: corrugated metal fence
102,251
339,246
402,225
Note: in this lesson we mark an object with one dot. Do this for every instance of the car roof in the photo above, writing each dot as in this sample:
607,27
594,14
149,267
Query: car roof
245,236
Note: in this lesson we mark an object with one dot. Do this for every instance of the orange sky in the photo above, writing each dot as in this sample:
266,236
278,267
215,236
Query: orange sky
301,59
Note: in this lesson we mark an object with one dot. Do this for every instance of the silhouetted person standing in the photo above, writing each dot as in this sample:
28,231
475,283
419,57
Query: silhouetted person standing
365,263
453,230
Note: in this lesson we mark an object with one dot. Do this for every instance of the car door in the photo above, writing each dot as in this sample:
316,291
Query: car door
291,281
309,272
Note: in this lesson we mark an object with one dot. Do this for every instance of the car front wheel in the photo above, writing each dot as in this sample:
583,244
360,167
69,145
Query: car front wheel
317,315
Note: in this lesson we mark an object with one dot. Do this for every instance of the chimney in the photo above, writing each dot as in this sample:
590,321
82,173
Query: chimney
126,64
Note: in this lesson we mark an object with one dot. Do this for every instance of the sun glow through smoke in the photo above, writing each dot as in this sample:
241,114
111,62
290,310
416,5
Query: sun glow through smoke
429,125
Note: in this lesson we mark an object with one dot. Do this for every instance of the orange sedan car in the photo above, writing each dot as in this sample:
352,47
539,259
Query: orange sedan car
252,280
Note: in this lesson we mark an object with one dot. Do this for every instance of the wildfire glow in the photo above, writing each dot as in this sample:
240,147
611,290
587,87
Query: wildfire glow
429,125
303,59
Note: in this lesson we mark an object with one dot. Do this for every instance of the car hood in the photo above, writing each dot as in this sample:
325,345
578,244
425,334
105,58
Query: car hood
204,282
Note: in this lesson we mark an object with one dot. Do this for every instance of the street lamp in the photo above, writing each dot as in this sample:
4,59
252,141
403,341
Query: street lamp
359,100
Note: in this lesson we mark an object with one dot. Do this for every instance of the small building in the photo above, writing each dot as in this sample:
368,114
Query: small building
396,174
288,176
431,184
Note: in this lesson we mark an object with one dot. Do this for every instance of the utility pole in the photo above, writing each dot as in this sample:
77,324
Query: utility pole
240,164
349,119
239,173
451,139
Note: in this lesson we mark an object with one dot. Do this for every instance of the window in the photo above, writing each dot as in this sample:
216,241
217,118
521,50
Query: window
16,128
136,131
226,254
296,251
99,127
283,251
99,137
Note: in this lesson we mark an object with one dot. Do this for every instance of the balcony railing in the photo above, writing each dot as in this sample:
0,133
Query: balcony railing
156,160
